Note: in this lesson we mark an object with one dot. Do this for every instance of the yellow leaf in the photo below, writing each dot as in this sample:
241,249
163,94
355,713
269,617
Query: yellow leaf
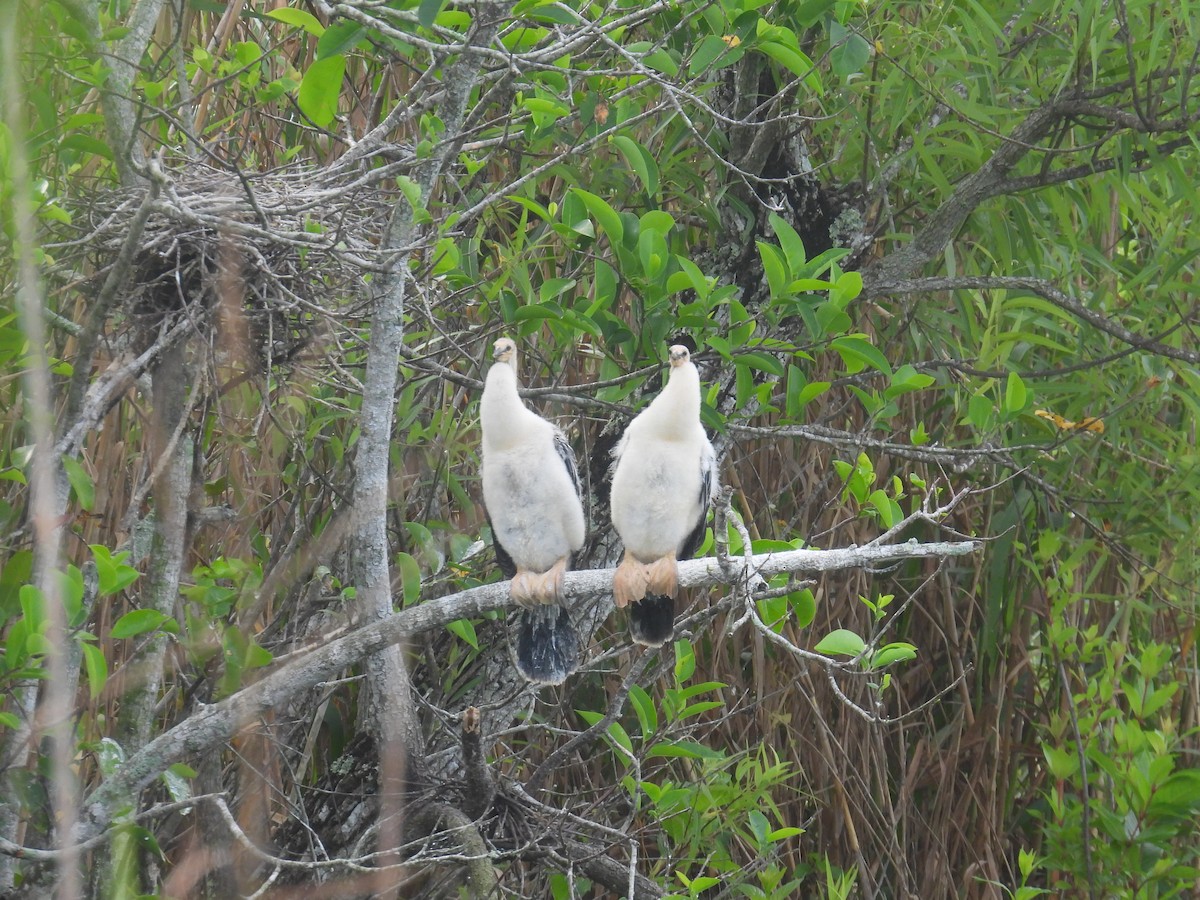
1089,423
731,39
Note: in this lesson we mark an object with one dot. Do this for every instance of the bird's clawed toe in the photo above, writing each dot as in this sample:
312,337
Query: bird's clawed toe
529,589
553,583
663,577
525,588
629,582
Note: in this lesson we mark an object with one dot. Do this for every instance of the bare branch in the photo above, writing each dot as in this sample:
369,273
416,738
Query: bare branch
221,721
1040,288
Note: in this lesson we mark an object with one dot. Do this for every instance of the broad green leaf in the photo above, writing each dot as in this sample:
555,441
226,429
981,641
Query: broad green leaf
177,784
759,826
139,621
685,749
638,159
776,269
890,653
804,606
339,38
764,362
112,573
705,54
604,214
319,89
789,242
1014,394
410,577
884,506
86,143
685,661
428,11
96,667
849,52
643,706
465,629
300,18
858,353
795,61
841,642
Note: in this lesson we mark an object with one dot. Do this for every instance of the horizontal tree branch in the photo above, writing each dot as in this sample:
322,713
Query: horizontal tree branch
1040,288
218,723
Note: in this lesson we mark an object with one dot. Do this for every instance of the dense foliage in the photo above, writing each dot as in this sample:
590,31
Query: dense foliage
938,267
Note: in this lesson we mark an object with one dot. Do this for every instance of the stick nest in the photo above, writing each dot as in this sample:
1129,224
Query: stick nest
284,252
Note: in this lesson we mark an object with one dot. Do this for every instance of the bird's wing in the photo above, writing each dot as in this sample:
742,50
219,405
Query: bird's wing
507,567
563,448
708,478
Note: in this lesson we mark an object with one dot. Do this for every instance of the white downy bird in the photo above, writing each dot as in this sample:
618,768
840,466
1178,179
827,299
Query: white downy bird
532,497
664,469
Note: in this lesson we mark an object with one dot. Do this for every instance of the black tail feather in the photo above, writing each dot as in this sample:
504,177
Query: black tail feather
652,620
547,644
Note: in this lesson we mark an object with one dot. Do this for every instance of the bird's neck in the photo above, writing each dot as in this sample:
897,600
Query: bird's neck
504,417
676,410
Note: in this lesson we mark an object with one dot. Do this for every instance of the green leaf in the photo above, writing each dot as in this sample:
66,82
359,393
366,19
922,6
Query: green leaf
339,38
1014,394
604,215
410,577
111,572
705,54
841,642
640,161
764,362
906,379
849,51
759,826
685,661
411,191
320,88
81,482
177,785
96,667
428,11
85,143
804,606
789,241
794,61
979,411
662,60
138,621
890,653
685,750
883,505
776,269
858,353
300,18
465,629
848,286
643,706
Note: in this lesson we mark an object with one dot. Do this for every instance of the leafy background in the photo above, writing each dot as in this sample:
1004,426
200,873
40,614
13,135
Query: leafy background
923,252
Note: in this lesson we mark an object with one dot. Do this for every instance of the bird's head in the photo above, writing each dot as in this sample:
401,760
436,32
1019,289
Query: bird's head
504,350
678,354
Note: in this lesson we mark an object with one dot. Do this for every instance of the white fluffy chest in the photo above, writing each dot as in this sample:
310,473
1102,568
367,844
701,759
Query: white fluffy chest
536,515
656,496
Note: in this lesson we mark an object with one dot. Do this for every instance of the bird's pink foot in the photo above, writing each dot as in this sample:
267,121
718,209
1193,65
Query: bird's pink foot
662,577
551,588
525,588
629,582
